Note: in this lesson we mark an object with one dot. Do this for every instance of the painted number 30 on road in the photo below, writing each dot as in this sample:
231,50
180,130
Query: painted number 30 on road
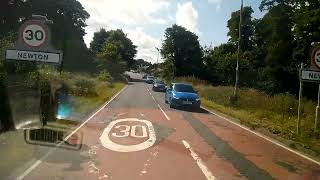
126,131
34,35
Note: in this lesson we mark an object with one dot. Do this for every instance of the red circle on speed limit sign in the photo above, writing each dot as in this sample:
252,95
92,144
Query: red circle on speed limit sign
316,57
34,34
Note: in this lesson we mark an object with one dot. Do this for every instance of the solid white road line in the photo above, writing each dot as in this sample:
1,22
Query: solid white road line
168,118
263,137
164,113
38,162
199,161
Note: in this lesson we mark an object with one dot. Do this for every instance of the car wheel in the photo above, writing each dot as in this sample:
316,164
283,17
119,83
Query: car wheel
171,105
165,100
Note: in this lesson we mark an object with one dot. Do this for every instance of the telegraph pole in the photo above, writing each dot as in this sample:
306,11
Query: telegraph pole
235,93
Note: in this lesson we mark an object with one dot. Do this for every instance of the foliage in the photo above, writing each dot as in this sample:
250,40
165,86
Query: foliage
104,76
98,40
247,28
125,48
110,59
182,48
168,73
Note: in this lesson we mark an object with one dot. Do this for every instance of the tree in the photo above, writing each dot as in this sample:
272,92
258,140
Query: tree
98,40
110,59
117,37
247,28
68,29
11,13
183,49
127,49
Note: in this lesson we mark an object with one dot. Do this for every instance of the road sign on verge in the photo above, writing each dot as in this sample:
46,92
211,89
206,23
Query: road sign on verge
12,54
310,76
34,43
315,58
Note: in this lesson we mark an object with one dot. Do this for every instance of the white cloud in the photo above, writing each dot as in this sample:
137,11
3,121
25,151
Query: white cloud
187,17
123,14
126,11
146,44
217,3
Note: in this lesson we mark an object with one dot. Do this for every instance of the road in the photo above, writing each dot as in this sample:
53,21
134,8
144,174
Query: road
137,136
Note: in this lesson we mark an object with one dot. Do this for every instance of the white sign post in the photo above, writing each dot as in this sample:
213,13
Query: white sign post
311,75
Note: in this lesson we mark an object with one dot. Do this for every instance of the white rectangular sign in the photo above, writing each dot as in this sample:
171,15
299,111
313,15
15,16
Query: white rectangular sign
310,75
32,56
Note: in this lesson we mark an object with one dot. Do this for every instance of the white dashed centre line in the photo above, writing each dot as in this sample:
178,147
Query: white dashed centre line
164,113
200,163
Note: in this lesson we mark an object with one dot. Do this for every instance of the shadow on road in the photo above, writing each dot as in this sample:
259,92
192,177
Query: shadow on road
203,111
136,80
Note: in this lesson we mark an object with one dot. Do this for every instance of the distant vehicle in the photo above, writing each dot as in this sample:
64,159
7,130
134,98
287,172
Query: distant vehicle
150,79
159,85
182,95
145,77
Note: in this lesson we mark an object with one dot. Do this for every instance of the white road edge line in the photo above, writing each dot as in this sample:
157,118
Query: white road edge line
263,137
199,161
168,118
38,162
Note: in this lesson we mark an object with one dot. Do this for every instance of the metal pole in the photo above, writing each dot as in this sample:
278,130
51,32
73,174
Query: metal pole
235,93
299,105
317,111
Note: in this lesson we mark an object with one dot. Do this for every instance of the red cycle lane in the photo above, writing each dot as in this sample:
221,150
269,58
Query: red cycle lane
167,158
278,161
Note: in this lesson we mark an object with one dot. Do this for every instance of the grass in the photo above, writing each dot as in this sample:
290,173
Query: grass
85,105
275,115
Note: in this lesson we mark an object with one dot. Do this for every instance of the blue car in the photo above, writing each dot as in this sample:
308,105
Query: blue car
182,95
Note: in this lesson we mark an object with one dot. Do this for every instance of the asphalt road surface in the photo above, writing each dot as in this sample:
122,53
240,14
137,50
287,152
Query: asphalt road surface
137,136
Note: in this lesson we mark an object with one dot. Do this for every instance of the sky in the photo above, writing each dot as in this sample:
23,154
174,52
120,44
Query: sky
145,21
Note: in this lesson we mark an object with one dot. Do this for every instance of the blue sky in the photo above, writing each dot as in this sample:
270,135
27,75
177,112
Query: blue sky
145,21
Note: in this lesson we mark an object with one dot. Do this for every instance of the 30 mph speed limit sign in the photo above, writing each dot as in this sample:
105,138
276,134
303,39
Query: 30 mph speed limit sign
316,57
34,35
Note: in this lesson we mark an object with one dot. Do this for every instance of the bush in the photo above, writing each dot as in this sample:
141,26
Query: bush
104,76
83,87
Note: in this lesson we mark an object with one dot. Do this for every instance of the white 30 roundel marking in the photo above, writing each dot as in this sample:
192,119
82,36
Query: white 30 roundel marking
107,143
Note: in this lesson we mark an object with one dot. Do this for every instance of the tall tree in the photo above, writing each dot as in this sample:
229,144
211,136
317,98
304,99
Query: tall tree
182,48
110,59
98,40
126,48
247,28
11,14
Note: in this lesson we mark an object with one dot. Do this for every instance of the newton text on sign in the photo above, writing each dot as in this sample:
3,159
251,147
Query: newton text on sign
33,56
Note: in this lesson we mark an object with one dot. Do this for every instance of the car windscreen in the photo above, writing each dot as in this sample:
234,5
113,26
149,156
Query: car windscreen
159,82
183,88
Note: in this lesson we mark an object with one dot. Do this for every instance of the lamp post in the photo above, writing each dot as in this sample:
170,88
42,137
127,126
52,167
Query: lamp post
235,93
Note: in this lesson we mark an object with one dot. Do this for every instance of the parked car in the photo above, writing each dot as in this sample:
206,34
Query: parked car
150,79
159,85
182,95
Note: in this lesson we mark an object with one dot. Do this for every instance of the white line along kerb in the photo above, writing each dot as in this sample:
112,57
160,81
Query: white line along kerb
199,161
38,162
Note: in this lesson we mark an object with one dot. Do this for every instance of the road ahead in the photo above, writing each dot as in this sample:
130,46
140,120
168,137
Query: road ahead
137,136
